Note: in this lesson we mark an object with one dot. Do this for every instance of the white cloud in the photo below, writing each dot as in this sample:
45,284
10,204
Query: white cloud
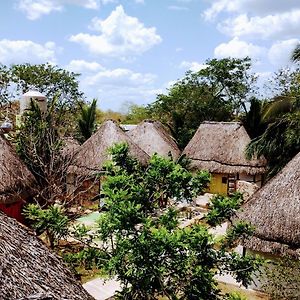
178,8
280,52
23,51
84,66
271,26
193,66
120,77
120,35
239,49
116,86
34,9
252,7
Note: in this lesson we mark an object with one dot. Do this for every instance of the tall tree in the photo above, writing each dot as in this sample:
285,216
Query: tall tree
39,144
49,80
149,252
215,93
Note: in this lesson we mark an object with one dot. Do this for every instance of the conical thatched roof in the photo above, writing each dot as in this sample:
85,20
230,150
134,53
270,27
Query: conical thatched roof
15,179
29,270
71,146
219,148
274,210
93,153
152,137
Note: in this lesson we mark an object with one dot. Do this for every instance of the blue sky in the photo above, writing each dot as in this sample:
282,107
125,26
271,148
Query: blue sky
129,51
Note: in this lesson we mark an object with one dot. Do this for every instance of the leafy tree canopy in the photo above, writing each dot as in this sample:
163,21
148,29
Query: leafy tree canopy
215,93
149,252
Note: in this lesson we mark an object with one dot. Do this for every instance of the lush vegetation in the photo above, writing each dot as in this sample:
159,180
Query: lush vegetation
143,242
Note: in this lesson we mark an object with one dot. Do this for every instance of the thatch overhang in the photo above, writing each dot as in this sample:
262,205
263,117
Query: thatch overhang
16,181
274,210
153,137
93,153
219,147
29,270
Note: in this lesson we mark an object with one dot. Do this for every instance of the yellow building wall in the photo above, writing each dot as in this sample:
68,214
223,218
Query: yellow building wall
218,185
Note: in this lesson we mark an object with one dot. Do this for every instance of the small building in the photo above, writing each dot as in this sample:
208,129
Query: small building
219,147
16,181
29,270
153,137
36,96
93,153
274,211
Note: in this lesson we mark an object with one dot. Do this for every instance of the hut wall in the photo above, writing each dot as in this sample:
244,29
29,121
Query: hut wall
13,210
218,184
84,192
224,184
257,179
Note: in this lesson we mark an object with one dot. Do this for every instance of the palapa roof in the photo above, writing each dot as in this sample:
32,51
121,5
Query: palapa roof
152,137
71,146
93,153
15,179
219,147
29,270
274,210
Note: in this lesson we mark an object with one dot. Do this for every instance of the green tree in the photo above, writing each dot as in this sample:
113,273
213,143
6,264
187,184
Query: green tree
295,57
51,221
49,80
87,120
150,253
215,93
5,83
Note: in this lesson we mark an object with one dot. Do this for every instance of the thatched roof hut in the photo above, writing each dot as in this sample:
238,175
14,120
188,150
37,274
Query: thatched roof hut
219,148
29,270
15,179
93,153
152,137
70,146
274,211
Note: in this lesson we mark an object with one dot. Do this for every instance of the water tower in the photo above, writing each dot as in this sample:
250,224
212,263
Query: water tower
36,96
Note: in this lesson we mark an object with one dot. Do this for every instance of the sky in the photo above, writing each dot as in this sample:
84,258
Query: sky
130,51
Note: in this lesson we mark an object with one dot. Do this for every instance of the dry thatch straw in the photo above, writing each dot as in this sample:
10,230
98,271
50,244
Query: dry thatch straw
93,153
152,137
71,146
29,270
219,148
15,179
274,210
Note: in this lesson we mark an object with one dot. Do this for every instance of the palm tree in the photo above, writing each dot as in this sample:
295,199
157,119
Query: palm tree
87,121
280,141
296,54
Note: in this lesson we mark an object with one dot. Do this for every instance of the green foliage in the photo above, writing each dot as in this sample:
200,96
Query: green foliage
254,120
223,208
282,278
279,143
87,258
87,121
136,114
235,296
148,251
48,79
5,83
215,93
51,221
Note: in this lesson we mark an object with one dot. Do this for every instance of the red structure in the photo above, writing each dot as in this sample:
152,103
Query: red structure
13,210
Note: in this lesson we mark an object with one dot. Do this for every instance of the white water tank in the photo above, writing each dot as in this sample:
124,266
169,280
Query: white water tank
40,99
